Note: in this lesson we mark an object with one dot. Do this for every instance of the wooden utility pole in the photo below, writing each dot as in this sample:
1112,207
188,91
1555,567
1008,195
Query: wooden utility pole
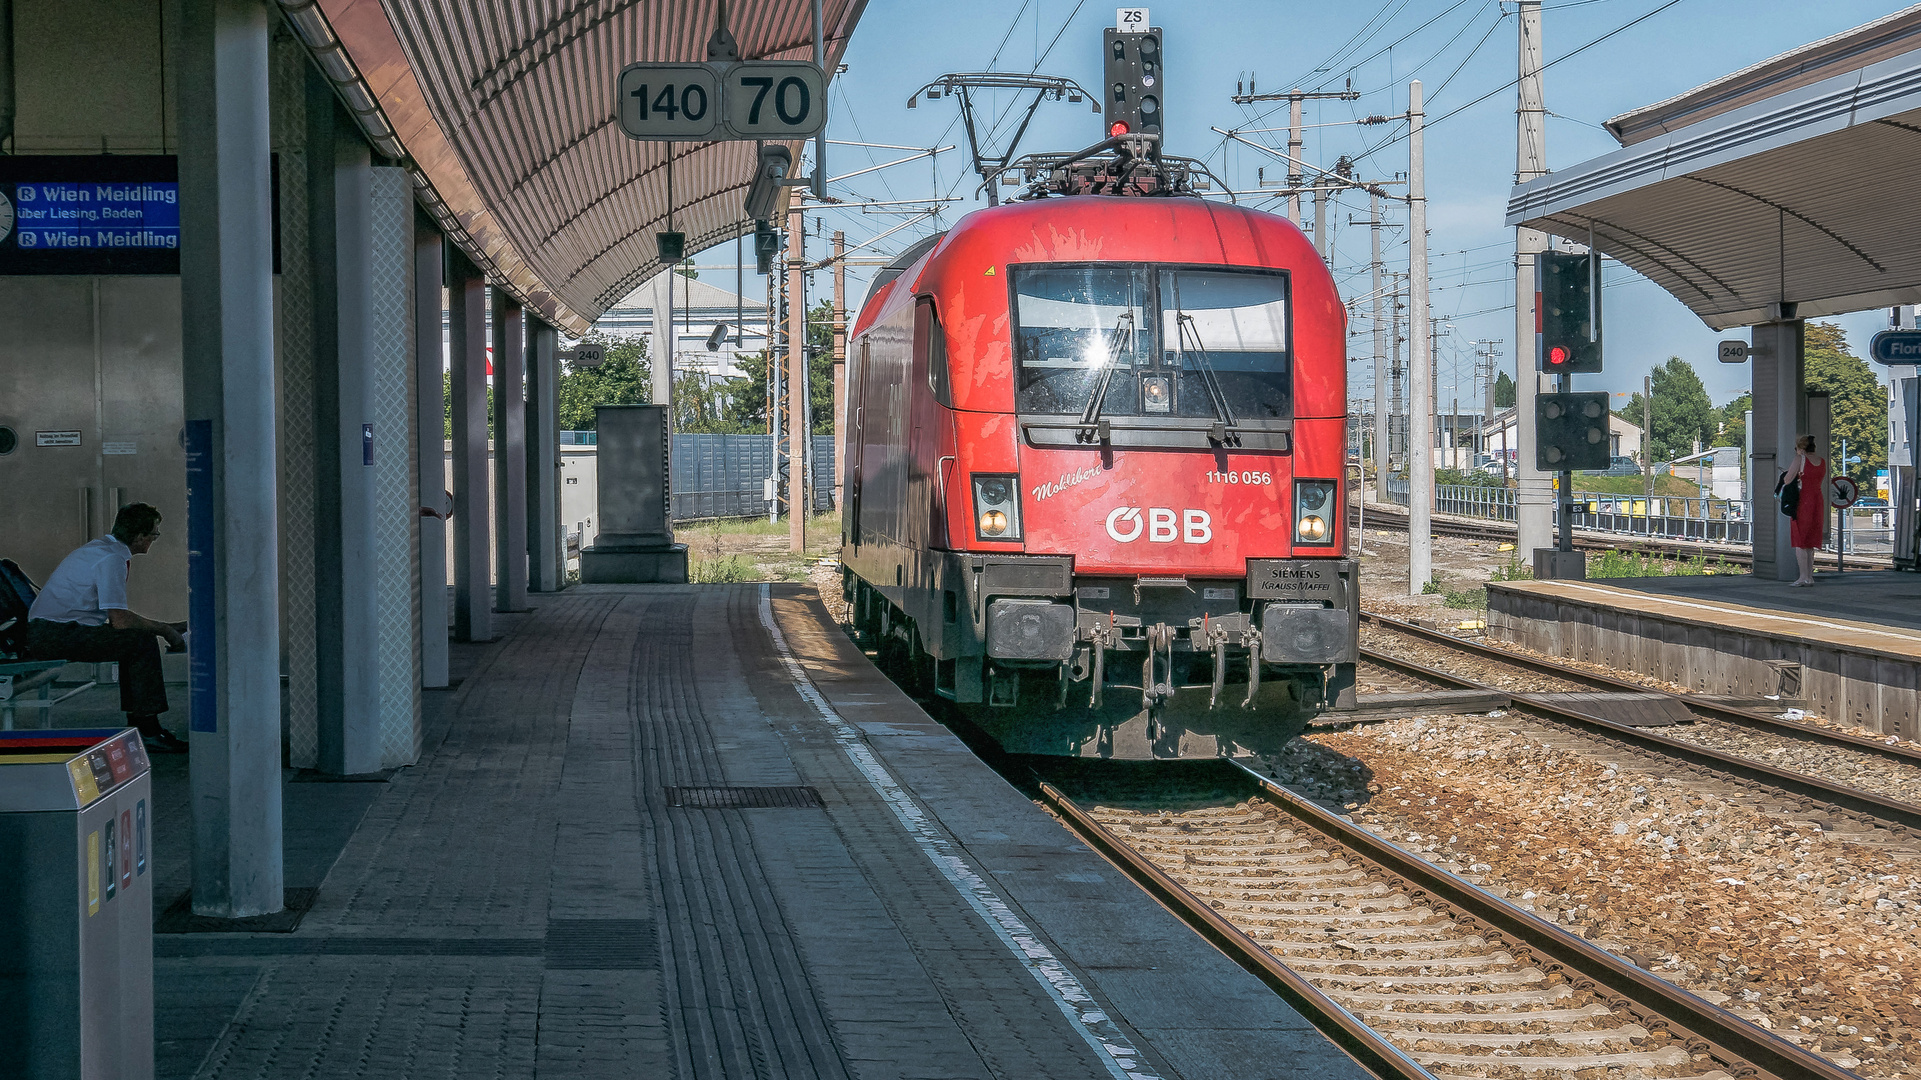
840,368
796,382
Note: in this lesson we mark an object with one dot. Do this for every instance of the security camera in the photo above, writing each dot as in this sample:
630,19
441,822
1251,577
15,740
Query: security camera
775,163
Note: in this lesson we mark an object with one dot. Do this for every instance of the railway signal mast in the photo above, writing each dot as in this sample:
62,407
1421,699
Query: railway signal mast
1570,429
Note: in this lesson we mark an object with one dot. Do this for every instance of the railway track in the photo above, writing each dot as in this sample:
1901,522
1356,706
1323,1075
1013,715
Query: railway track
1413,970
1871,808
1378,517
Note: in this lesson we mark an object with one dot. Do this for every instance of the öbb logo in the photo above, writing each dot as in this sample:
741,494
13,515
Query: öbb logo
1126,525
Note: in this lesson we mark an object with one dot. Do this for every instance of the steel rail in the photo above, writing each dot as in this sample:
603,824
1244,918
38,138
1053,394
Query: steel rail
1731,714
1866,803
1718,1031
1646,545
1374,1053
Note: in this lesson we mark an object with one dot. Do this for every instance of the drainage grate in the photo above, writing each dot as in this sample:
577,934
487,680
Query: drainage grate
601,945
743,798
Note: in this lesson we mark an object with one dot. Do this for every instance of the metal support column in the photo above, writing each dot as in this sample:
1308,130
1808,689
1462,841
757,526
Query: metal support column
797,434
1780,414
435,502
227,314
546,555
467,359
510,455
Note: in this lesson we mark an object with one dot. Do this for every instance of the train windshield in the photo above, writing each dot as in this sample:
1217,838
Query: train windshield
1141,341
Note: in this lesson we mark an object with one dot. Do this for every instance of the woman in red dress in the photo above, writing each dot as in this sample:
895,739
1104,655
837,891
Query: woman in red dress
1809,526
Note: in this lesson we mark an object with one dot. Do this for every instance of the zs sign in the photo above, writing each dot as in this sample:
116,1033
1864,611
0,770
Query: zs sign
1126,524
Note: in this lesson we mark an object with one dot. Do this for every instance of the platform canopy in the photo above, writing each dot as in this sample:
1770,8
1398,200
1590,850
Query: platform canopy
504,113
1790,180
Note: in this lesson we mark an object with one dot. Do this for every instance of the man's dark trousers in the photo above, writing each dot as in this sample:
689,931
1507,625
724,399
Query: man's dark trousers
143,689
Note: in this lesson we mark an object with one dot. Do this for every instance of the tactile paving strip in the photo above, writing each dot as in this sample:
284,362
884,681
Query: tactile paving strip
744,798
602,945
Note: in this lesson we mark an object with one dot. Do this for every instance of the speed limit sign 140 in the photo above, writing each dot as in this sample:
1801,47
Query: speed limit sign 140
669,101
768,100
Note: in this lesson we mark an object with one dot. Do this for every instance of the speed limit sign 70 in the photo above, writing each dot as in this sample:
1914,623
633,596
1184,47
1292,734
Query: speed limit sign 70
774,100
669,101
771,100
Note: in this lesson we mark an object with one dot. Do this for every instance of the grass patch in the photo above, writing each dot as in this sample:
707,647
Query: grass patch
1515,570
722,571
1472,598
1621,564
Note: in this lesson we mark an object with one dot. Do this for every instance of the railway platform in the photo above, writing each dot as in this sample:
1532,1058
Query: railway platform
690,831
1849,648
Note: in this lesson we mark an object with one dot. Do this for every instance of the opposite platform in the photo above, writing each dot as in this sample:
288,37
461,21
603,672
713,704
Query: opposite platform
1849,647
689,831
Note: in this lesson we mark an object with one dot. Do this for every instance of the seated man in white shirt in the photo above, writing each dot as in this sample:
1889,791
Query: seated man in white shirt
81,615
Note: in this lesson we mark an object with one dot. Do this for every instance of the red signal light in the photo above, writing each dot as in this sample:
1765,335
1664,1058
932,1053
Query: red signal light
1557,355
1118,129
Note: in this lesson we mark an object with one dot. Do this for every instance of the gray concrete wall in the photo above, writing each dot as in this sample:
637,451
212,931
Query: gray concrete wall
1871,688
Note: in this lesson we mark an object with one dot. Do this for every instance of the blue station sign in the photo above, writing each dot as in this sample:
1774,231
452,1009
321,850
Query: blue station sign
89,214
1896,347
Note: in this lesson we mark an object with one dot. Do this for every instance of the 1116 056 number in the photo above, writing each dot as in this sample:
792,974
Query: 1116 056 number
1240,477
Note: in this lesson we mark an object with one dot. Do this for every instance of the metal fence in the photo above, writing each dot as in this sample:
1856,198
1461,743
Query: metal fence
1663,517
724,476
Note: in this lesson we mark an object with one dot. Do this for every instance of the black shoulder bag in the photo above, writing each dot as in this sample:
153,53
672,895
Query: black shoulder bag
1790,493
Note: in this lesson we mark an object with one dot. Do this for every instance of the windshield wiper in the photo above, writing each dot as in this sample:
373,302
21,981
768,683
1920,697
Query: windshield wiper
1092,425
1224,422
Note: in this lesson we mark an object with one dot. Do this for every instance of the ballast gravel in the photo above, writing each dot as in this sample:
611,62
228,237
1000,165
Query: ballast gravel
1806,933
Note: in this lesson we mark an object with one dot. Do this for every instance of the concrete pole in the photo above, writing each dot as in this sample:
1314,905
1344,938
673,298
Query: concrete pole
1420,502
429,366
773,390
467,349
1534,496
510,454
797,434
347,652
840,369
545,547
1380,358
233,569
1294,175
1397,412
1780,414
663,358
1320,221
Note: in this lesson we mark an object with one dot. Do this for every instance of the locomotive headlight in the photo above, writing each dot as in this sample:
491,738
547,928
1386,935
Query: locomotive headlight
997,507
1313,505
1156,395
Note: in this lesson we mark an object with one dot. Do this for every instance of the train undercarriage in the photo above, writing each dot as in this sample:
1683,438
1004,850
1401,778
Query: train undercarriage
1151,667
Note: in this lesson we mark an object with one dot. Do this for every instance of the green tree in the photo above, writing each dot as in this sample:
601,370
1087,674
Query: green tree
1734,422
447,405
820,366
1857,402
1683,415
1504,392
624,378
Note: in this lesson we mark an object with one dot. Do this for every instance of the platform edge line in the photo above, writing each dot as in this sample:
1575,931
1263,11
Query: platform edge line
1099,1030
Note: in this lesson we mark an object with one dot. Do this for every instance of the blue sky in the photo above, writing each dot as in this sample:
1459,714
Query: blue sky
1460,49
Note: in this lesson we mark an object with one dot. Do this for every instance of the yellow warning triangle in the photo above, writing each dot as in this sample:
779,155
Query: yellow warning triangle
990,271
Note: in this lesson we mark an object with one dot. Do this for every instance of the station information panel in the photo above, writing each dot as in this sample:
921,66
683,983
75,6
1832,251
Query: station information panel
94,214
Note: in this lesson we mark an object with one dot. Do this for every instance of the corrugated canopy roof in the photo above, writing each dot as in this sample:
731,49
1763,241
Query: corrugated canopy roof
507,112
1798,194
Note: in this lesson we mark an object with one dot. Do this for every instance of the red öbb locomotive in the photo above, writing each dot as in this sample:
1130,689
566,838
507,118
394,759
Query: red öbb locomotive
1095,476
